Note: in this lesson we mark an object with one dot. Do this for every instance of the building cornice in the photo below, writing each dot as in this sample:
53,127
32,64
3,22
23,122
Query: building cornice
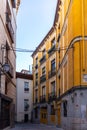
24,76
43,41
72,90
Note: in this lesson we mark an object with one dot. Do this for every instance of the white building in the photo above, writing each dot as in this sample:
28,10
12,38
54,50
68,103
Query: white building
24,83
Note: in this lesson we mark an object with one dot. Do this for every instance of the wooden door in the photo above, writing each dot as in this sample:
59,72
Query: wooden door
59,115
43,116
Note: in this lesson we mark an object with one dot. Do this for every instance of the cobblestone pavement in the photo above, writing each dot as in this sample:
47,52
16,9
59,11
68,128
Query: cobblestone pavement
28,126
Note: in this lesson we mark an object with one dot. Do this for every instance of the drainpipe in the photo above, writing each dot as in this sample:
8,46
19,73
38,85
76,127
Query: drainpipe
83,44
0,99
59,74
0,111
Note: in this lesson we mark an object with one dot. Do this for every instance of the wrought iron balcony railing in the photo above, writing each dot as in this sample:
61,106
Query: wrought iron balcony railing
52,73
10,72
43,59
36,83
51,50
36,100
9,27
36,66
43,78
51,96
43,99
26,89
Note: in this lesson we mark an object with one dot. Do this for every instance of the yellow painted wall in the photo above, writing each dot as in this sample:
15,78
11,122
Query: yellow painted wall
73,63
74,22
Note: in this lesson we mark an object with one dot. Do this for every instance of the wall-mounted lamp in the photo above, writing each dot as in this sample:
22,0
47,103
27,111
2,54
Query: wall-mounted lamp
6,67
3,69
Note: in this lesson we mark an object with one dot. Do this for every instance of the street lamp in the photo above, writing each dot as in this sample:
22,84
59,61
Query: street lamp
6,67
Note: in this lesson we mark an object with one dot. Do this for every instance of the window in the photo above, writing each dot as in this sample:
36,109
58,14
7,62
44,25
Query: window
65,76
59,37
53,86
36,60
36,63
53,65
8,8
26,86
52,110
26,104
36,75
43,90
6,89
65,108
8,60
9,22
13,2
7,52
36,96
36,83
44,52
43,70
36,112
53,42
36,93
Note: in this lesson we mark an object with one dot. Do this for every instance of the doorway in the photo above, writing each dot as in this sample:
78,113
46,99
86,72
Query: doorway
59,115
26,118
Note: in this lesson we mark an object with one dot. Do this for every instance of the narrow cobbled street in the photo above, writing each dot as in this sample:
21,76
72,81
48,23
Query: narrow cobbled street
28,126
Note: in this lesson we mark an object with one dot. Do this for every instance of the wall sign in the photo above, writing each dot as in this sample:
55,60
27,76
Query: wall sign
84,77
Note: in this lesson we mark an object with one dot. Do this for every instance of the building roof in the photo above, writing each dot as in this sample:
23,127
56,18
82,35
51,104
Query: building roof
56,13
52,28
42,43
24,76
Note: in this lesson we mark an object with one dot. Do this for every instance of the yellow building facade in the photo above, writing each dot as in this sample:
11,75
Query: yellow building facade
60,69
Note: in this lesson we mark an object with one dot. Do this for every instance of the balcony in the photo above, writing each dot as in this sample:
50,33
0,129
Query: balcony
42,78
51,50
58,37
36,83
36,100
13,3
43,59
52,73
9,27
43,99
10,72
36,66
26,89
51,96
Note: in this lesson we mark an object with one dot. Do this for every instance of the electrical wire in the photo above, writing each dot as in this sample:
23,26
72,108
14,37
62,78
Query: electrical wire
31,51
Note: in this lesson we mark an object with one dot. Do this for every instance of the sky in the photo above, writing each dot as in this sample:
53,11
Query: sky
34,20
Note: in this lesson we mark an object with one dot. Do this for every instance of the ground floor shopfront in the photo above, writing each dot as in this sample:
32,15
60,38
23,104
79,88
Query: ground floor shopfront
69,111
6,112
